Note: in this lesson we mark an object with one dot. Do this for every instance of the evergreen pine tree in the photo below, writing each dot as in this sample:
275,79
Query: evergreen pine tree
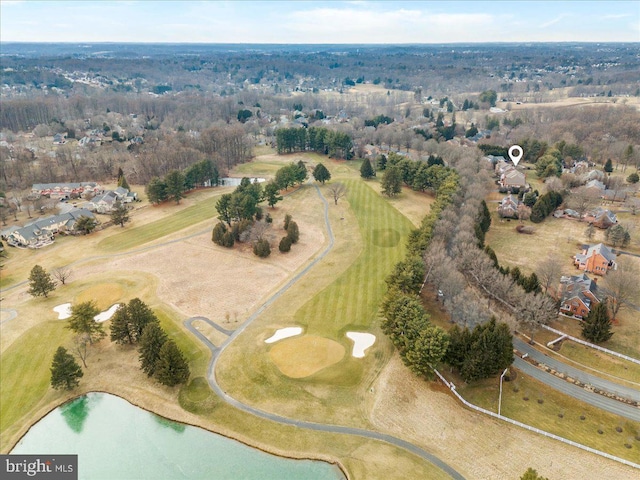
608,166
121,331
366,170
122,182
119,213
151,341
392,181
321,174
40,282
65,371
171,367
140,316
597,325
82,321
293,232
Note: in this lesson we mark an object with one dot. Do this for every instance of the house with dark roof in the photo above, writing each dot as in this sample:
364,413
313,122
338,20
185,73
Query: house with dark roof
509,207
579,294
601,218
65,190
596,259
40,233
105,202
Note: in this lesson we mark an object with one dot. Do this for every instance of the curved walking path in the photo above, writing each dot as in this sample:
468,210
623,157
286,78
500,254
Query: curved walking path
10,314
629,393
216,351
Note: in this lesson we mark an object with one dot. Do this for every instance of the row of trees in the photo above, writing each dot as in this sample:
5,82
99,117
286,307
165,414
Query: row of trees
175,183
334,143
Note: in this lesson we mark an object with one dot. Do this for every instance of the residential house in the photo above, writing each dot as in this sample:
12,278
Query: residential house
597,259
618,195
509,207
513,179
90,141
595,175
105,202
40,233
59,139
566,213
595,187
65,190
601,218
579,294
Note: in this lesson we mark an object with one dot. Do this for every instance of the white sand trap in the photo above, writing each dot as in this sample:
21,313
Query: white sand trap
107,314
361,341
284,333
63,311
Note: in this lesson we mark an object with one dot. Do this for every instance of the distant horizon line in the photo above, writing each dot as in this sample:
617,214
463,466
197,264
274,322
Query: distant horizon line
319,44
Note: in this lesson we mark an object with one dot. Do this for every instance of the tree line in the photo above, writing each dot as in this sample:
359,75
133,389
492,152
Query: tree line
175,183
322,140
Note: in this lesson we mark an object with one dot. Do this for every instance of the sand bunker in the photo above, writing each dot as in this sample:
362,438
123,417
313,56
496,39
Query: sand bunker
107,314
303,356
283,333
361,341
63,311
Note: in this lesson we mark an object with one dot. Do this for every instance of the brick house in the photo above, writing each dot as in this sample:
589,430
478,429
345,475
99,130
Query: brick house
579,294
596,259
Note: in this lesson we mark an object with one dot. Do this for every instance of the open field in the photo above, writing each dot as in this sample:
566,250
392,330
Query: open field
480,446
559,237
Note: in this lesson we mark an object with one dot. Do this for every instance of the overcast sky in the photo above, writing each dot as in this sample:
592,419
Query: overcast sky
319,22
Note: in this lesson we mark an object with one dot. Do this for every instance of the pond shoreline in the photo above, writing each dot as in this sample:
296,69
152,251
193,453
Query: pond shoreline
289,455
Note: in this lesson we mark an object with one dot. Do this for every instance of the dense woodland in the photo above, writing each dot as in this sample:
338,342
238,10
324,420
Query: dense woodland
151,109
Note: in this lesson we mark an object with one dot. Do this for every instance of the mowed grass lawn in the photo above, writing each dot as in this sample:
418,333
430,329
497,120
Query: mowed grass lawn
553,412
352,299
559,237
134,237
24,370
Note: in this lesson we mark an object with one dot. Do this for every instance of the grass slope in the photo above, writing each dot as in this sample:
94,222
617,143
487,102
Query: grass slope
562,415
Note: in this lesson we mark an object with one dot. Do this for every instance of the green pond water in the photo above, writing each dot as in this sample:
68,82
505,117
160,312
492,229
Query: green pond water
115,440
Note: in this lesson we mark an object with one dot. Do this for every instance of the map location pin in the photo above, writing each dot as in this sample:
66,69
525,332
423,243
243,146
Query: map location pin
515,154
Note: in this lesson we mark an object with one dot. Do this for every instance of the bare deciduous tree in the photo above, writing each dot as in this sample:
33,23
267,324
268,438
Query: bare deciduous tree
582,200
548,272
622,285
80,347
62,274
524,212
258,231
337,191
536,310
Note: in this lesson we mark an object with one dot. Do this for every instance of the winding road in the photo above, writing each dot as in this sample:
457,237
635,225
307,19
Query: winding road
216,351
594,399
584,377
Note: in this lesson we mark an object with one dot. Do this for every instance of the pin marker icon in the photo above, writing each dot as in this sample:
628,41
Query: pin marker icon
515,154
